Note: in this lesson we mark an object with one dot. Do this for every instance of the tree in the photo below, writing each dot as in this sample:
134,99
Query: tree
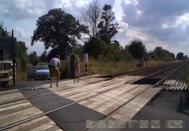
180,56
113,52
33,59
95,47
126,55
78,50
44,57
91,16
22,58
137,49
116,43
58,30
107,28
185,57
161,54
3,31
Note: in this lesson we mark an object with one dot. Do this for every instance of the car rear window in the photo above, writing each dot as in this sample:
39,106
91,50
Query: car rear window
44,67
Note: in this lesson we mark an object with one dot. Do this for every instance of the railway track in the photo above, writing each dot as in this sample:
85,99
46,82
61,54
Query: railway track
118,112
86,91
143,72
106,77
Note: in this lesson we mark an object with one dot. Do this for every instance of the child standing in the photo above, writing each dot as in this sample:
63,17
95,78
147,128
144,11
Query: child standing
77,71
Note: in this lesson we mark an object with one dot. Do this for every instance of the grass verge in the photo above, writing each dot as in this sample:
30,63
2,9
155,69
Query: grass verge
100,67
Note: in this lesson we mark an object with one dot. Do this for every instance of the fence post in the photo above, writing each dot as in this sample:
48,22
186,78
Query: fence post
142,63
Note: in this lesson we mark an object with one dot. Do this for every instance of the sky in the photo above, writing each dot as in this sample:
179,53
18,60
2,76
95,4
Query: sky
162,23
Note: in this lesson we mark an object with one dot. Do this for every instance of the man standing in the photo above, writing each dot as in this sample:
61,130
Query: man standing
54,69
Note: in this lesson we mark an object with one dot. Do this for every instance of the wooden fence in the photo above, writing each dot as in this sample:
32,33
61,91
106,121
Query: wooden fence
7,73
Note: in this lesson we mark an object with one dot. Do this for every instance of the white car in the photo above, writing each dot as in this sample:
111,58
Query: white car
42,72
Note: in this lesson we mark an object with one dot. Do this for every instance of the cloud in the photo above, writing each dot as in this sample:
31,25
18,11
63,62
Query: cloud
21,9
153,12
24,9
38,47
180,21
110,2
20,34
81,3
164,20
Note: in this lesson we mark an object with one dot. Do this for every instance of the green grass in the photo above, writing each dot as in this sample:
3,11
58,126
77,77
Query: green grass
187,79
100,67
153,63
110,67
21,75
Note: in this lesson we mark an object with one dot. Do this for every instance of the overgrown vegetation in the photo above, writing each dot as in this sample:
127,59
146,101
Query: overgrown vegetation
137,49
161,54
109,67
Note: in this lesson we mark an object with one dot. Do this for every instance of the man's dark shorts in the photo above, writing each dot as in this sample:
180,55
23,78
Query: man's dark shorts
54,71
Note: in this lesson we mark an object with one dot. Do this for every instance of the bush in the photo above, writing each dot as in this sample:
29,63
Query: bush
180,56
22,59
95,47
33,59
98,49
161,54
64,69
101,66
137,49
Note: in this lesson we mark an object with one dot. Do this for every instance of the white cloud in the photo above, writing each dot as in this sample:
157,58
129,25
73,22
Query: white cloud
135,33
81,3
181,21
64,3
20,34
38,47
21,9
158,20
131,1
139,12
